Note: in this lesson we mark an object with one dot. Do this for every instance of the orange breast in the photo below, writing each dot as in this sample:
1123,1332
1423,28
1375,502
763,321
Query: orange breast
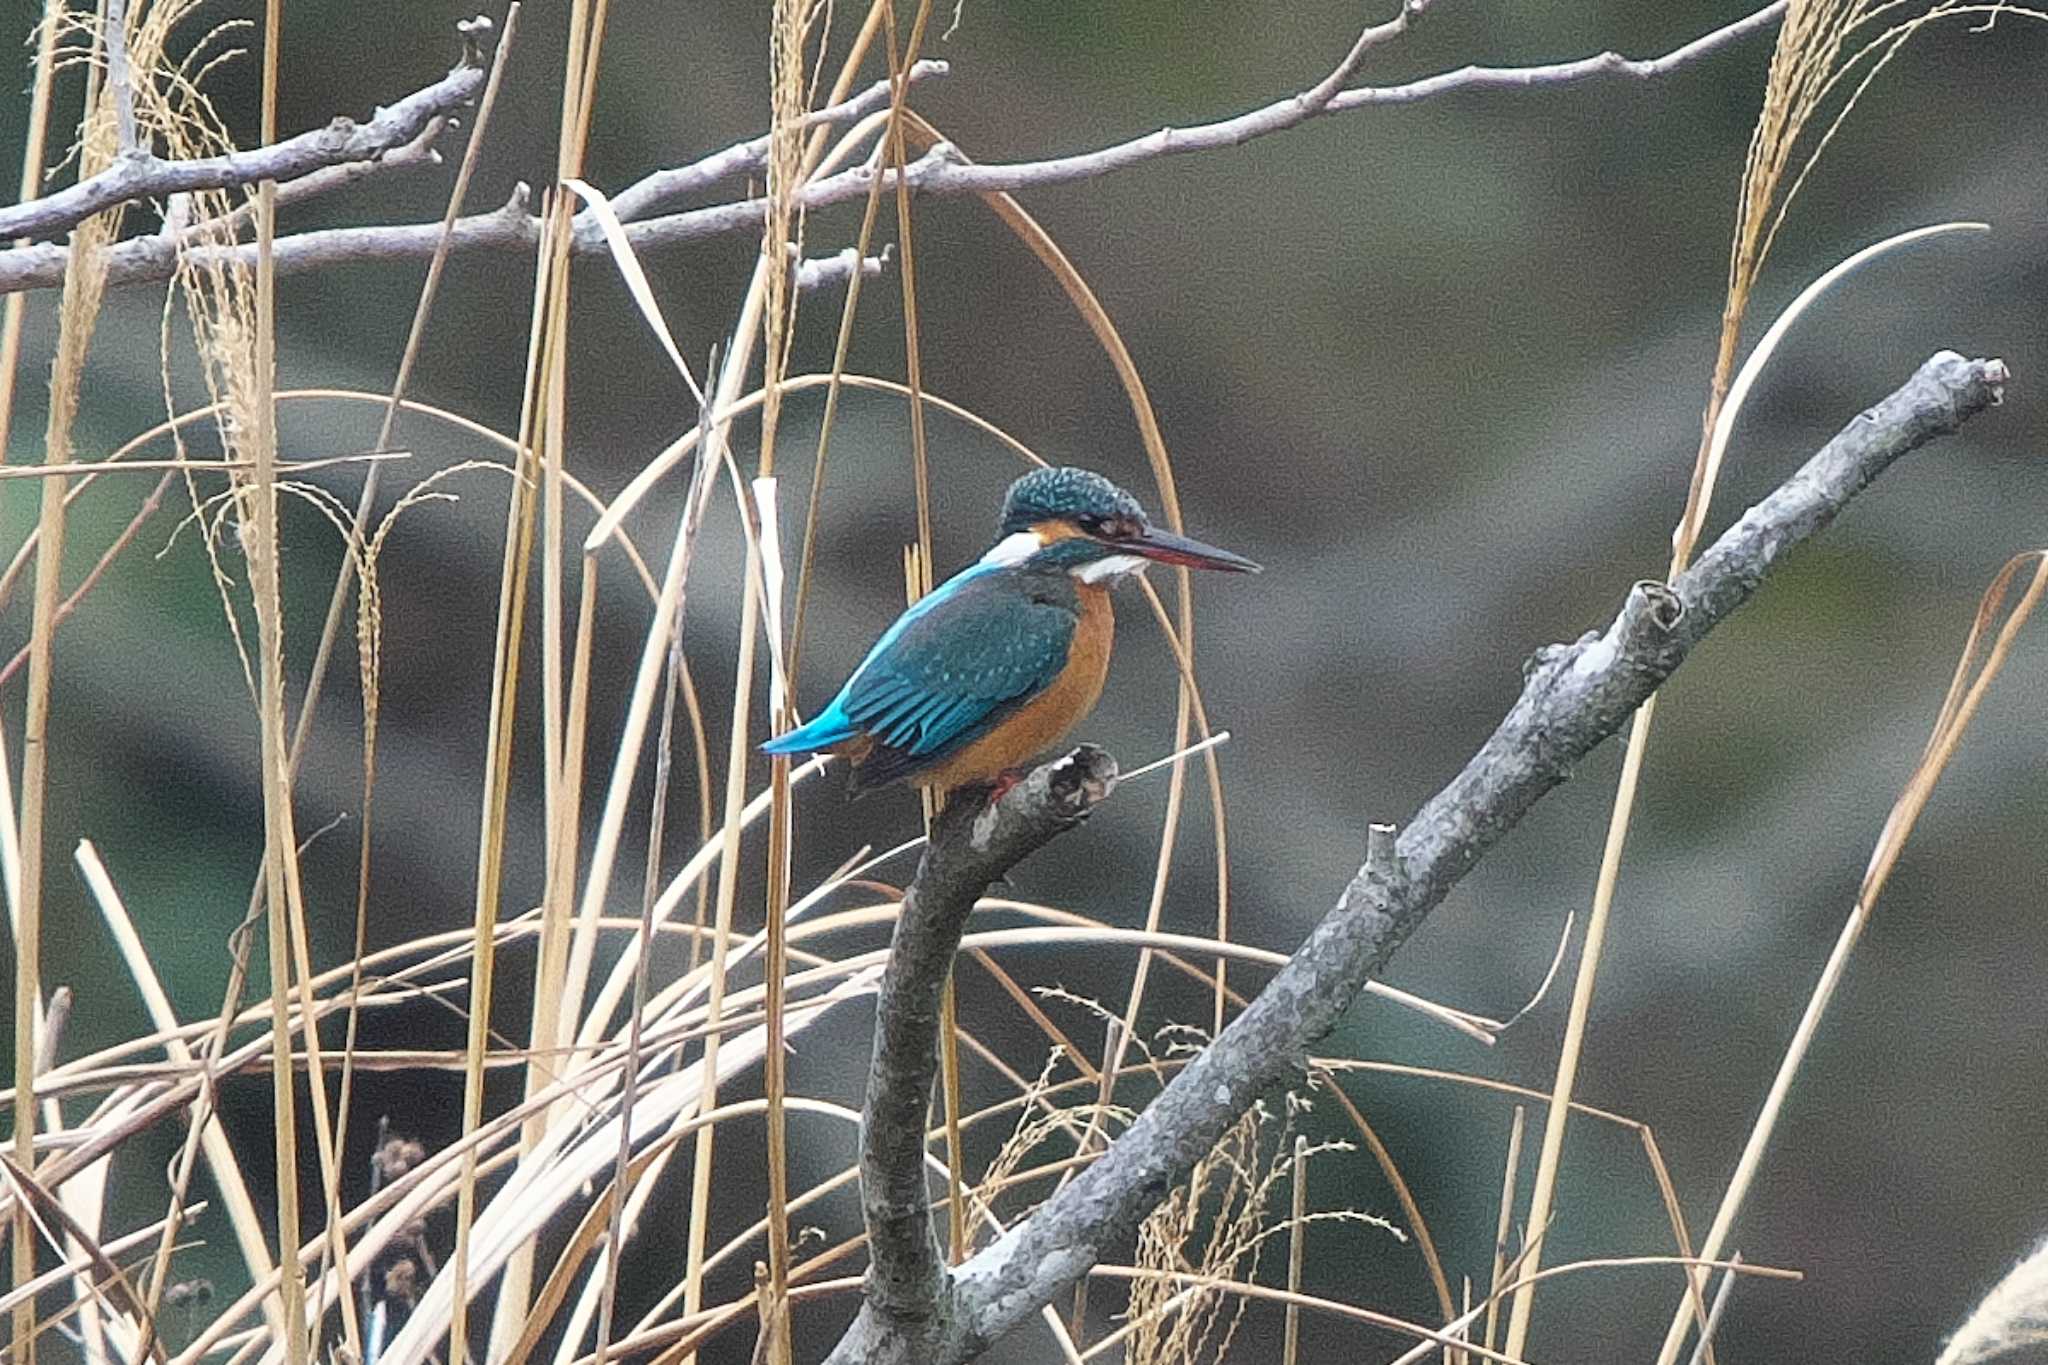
1045,720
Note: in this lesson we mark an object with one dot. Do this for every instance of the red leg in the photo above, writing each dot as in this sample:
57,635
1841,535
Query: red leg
1004,781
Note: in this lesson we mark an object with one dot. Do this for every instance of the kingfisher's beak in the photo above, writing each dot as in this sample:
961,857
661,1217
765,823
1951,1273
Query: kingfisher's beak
1168,548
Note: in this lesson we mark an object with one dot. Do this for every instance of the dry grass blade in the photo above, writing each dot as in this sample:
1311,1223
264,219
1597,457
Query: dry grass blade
1984,655
1506,1221
668,1112
58,1226
81,1260
220,1155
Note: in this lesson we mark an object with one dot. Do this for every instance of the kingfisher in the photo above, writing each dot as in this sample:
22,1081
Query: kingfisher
996,665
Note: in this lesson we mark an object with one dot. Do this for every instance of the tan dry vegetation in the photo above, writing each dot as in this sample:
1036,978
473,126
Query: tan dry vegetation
626,1062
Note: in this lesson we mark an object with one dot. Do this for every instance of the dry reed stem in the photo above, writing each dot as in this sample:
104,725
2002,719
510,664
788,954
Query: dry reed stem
1505,1223
731,381
1297,1240
1975,670
782,235
223,310
280,843
520,516
547,398
369,615
35,138
1789,100
78,314
220,1155
695,497
738,749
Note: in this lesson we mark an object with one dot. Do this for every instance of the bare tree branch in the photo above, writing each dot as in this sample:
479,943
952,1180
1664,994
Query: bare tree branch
1605,64
941,172
945,172
646,195
973,844
138,173
1574,697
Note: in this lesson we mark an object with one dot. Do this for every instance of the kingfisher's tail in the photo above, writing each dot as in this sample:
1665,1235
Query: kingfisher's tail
824,730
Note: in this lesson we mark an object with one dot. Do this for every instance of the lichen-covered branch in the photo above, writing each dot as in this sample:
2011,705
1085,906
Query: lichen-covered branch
1574,697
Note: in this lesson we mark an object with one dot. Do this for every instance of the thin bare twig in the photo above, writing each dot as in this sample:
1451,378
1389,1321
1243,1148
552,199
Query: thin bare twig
940,172
138,173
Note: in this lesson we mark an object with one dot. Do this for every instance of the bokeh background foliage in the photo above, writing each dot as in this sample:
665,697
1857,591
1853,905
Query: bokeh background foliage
1440,369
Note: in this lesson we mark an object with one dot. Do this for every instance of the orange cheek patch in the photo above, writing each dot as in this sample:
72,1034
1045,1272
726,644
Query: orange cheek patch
1050,531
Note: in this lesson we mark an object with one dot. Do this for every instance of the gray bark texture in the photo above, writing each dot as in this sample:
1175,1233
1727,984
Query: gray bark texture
1574,697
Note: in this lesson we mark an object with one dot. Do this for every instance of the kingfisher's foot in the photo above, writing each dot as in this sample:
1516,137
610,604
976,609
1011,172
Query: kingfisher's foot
1000,788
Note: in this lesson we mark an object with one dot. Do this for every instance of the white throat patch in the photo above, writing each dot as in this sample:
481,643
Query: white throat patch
1115,566
1014,548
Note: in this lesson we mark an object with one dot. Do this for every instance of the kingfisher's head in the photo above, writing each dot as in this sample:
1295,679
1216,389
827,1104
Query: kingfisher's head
1076,520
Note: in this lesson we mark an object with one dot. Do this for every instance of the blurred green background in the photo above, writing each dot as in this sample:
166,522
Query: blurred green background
1440,368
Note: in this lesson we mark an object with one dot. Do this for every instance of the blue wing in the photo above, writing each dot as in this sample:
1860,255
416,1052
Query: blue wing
946,671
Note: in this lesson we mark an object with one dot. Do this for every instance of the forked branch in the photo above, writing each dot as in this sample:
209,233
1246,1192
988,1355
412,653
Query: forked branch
1573,697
